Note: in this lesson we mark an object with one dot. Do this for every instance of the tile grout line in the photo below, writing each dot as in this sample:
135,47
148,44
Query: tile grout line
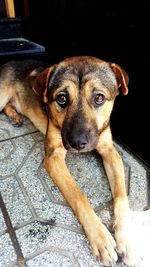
45,186
26,197
12,234
46,222
21,185
15,137
50,248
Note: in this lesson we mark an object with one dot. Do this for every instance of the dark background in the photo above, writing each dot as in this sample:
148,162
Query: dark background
115,31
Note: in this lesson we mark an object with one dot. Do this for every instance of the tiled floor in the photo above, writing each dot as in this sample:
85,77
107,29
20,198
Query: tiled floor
39,228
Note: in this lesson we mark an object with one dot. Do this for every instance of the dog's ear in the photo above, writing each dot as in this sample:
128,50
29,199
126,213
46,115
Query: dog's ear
41,81
121,76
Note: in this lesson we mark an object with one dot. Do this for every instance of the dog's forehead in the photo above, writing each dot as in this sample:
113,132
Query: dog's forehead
82,69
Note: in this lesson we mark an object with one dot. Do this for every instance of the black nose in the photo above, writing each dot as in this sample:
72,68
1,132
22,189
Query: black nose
79,142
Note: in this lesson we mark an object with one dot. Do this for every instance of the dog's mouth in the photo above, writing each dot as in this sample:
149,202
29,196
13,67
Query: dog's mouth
68,147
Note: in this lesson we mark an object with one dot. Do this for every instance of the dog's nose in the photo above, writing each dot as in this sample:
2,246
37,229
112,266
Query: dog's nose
79,142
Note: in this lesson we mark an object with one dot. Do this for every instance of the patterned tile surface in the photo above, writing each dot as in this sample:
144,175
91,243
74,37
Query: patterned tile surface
47,231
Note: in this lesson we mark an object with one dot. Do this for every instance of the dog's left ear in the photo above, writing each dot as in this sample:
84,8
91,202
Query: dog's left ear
40,83
121,76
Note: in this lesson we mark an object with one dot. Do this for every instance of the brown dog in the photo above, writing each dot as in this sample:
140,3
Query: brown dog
71,102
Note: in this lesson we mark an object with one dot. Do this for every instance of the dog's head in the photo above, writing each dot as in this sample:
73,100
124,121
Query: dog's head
80,93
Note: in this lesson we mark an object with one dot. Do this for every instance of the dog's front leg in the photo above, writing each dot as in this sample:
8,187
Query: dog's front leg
100,239
115,171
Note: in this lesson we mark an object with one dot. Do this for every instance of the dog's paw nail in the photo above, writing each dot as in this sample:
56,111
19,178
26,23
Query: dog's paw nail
121,254
97,258
17,124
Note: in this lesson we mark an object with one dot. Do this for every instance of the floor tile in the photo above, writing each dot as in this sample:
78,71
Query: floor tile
47,231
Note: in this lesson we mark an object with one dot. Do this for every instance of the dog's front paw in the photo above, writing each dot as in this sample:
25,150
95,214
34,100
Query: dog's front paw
125,245
103,244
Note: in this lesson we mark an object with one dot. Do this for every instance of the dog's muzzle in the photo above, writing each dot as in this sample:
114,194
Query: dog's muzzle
79,137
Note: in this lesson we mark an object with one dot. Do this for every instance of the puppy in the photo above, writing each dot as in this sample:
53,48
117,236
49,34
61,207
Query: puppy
71,104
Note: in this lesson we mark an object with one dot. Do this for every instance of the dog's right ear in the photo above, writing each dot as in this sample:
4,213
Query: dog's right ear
41,81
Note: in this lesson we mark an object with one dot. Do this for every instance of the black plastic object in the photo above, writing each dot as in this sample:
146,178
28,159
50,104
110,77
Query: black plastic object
19,46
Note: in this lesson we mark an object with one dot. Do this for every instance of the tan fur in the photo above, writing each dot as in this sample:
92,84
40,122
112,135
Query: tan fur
80,92
12,114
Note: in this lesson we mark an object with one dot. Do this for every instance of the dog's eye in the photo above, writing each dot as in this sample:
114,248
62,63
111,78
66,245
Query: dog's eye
99,99
62,100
